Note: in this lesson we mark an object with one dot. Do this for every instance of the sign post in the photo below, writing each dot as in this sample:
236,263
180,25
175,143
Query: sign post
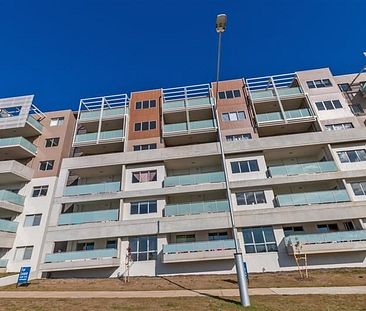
23,276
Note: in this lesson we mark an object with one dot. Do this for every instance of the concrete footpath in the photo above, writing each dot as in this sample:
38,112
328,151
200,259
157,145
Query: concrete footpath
185,293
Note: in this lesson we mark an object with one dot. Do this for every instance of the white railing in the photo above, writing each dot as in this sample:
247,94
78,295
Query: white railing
186,92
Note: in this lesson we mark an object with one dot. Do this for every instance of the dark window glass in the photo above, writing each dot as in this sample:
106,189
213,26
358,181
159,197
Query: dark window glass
138,105
237,93
137,127
328,105
152,125
310,84
229,94
222,95
145,126
327,82
145,104
320,106
235,167
152,103
253,164
337,104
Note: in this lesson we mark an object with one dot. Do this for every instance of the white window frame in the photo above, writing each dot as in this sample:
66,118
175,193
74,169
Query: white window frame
54,141
30,220
139,203
57,121
345,153
23,253
42,191
339,126
333,101
49,165
255,194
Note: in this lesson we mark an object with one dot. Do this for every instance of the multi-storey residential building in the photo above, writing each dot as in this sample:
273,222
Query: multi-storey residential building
32,145
145,190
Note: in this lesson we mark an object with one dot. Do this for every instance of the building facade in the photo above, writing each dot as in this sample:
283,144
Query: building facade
141,185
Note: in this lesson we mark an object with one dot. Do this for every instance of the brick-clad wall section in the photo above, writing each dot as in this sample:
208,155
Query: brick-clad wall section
233,105
141,115
65,132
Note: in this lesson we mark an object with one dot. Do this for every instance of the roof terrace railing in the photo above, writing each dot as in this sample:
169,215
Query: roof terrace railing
268,86
105,102
186,92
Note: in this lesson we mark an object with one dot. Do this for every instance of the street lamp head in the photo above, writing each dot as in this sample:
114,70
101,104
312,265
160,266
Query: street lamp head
221,20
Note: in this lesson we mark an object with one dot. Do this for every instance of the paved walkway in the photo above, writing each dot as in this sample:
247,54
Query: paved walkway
185,293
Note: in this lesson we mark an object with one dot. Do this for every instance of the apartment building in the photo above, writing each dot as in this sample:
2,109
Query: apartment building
32,145
144,191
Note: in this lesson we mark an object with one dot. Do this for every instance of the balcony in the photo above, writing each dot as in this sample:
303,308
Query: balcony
33,122
95,115
8,226
16,148
194,179
189,127
88,217
271,94
75,260
3,263
198,251
304,168
12,172
193,103
308,198
11,201
332,242
107,187
295,115
104,137
217,206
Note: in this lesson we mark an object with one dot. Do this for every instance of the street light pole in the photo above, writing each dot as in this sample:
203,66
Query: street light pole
242,281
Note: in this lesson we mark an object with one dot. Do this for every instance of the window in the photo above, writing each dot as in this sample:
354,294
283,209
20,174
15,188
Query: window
145,126
144,176
143,248
145,104
145,207
329,105
57,121
87,246
111,244
327,228
344,87
316,84
352,156
144,147
214,236
52,142
23,253
32,220
356,109
238,137
39,191
359,188
338,126
244,166
250,198
229,94
185,238
259,240
233,116
293,230
46,165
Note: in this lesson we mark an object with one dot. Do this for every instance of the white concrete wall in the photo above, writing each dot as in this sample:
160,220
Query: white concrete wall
32,236
159,167
249,175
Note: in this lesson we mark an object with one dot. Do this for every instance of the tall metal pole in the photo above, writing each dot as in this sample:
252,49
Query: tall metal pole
242,281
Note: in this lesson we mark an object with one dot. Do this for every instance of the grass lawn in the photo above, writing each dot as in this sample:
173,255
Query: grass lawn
330,277
259,303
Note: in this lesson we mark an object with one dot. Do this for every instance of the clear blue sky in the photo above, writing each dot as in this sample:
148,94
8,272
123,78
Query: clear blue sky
62,51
